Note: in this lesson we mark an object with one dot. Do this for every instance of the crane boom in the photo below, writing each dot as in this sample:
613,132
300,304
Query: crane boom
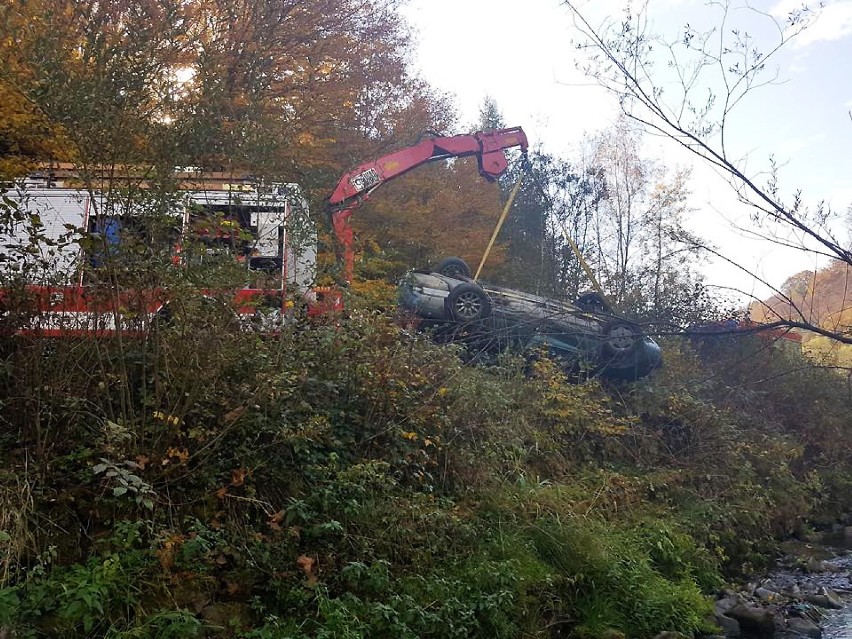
355,186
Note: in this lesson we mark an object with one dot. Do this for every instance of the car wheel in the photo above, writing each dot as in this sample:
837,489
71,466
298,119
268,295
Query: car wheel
467,302
593,302
453,267
620,338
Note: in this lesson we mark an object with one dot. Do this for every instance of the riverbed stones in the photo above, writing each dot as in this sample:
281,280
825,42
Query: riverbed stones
731,627
793,601
767,595
723,605
804,627
815,565
824,599
754,620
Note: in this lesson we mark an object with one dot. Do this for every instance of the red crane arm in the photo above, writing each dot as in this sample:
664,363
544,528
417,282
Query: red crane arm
356,185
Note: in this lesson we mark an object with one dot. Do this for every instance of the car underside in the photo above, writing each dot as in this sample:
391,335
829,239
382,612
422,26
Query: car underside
583,336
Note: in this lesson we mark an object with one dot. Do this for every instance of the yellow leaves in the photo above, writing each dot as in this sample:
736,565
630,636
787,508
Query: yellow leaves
374,292
171,420
411,436
176,456
306,139
574,407
439,209
28,137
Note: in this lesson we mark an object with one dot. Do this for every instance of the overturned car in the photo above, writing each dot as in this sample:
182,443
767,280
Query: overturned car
584,336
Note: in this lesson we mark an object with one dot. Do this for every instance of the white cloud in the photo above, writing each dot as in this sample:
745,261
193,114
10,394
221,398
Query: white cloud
793,145
834,21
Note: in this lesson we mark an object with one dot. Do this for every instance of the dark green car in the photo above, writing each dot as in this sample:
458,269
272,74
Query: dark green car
583,336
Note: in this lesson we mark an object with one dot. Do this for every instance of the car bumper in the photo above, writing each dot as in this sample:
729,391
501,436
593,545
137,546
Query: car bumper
421,296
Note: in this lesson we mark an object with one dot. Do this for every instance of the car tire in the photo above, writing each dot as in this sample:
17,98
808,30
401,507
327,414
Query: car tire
620,338
454,267
468,302
593,303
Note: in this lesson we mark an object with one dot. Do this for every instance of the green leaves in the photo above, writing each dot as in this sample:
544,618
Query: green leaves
128,482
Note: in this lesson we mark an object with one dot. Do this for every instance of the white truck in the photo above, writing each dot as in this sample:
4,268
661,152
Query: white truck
55,242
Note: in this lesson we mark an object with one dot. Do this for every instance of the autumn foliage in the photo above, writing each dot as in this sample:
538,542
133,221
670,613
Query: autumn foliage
346,477
821,298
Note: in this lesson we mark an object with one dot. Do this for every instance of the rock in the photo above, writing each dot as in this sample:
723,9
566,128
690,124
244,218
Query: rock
671,634
793,591
754,620
815,565
824,600
722,606
731,627
804,627
764,594
847,533
833,596
805,611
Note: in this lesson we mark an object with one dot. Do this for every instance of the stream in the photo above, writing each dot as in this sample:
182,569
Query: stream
807,596
838,624
821,568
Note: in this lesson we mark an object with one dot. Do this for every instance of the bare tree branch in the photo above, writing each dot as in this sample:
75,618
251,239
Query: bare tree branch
726,60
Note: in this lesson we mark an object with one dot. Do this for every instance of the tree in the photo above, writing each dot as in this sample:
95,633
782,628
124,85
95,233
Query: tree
26,136
626,214
706,75
620,215
438,210
273,88
490,116
523,241
283,91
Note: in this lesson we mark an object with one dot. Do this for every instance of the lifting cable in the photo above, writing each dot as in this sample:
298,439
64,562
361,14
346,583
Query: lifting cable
574,248
583,264
499,225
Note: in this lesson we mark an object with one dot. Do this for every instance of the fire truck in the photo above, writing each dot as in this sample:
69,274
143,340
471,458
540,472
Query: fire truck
58,242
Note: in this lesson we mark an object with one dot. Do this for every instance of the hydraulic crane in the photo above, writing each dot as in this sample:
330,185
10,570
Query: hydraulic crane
357,185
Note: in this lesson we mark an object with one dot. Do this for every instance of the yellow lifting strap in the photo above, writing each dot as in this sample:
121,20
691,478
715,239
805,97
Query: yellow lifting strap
499,224
576,249
586,268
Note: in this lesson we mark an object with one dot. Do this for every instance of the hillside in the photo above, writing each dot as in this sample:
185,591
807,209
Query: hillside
348,479
823,298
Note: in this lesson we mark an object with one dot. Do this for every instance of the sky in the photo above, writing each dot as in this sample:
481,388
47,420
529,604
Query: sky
523,55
